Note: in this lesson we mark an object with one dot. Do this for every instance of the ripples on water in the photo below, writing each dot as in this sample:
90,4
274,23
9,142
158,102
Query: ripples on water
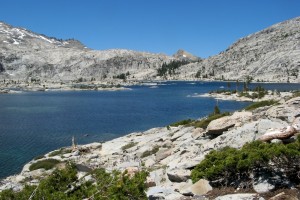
33,123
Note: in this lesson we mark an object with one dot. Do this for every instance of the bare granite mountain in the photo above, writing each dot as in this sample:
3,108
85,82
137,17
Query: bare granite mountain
184,55
25,55
272,54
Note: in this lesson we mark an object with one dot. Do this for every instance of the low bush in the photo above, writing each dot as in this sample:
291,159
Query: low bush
59,152
230,166
260,104
149,153
63,184
46,164
129,145
182,122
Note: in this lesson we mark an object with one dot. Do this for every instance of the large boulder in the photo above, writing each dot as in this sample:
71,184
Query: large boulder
201,187
179,175
218,126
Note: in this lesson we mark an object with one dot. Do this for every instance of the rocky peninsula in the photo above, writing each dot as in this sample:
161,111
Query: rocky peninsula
170,153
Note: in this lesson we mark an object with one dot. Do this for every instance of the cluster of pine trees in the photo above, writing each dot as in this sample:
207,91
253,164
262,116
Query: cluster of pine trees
169,69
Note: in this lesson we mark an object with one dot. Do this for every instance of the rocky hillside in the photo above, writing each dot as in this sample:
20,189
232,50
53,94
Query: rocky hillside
272,54
25,55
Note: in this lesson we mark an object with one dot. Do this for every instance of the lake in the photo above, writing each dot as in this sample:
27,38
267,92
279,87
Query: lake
34,123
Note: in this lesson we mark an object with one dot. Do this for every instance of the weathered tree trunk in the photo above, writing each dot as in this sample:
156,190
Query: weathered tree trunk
285,133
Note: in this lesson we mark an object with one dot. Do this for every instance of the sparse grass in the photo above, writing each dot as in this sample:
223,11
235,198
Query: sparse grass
147,153
129,145
182,122
296,94
39,157
203,123
260,104
60,152
46,164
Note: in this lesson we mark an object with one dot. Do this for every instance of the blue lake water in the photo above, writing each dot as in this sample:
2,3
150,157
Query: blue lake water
33,123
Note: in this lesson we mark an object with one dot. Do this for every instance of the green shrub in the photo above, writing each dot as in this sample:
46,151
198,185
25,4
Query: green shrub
129,145
118,185
228,165
121,76
63,184
203,123
46,164
149,153
182,122
260,104
216,110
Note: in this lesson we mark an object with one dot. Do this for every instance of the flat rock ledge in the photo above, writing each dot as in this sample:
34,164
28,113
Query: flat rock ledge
169,153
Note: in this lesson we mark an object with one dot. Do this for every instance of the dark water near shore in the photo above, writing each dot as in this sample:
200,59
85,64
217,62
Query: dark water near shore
33,123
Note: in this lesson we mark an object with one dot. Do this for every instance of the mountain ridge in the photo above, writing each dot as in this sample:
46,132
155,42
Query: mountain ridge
272,54
24,54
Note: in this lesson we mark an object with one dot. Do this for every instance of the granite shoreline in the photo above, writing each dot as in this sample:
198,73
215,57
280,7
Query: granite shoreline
179,149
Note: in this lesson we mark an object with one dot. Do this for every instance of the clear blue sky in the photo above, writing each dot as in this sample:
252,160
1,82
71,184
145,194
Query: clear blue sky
202,27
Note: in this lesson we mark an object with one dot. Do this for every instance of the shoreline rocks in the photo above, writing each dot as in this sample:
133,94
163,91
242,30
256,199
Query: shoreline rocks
236,97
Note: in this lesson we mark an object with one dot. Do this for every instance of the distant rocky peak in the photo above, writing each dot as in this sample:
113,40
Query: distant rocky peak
73,43
184,55
21,36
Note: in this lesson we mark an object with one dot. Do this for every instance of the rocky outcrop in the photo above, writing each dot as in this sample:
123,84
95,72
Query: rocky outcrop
179,175
201,187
